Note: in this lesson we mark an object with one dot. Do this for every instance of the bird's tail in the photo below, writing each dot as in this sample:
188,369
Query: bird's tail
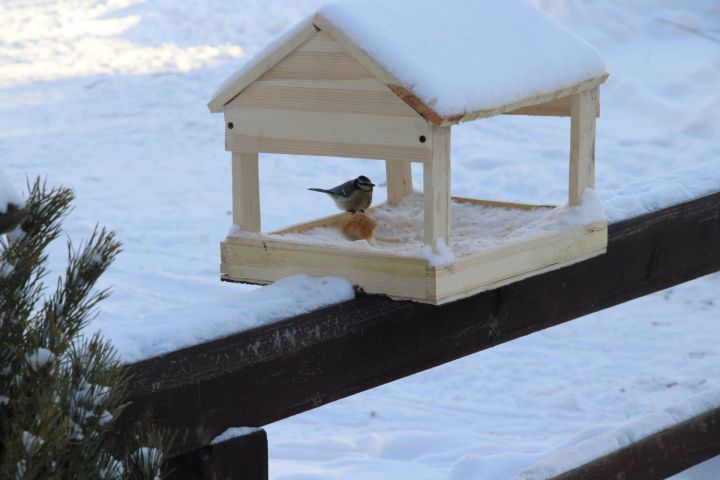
321,190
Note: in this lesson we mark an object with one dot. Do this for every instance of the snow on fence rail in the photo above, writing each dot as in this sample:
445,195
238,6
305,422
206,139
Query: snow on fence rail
271,372
687,432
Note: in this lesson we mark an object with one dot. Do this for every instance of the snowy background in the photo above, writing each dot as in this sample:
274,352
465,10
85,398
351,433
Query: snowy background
109,99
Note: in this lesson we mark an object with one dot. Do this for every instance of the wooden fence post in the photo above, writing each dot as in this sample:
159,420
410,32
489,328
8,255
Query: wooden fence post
241,458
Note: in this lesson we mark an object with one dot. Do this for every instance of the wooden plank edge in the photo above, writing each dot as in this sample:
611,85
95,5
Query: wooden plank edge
657,456
249,143
535,99
432,274
452,297
266,243
560,107
501,204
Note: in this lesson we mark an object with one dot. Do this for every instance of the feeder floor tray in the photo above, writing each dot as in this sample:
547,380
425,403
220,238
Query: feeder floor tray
494,243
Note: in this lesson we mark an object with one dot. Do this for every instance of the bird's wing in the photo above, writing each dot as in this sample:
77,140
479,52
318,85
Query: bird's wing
343,190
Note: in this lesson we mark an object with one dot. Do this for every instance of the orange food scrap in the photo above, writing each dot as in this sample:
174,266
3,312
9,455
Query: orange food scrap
359,227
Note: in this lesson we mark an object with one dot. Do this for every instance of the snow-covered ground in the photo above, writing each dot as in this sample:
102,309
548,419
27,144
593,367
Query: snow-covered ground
109,98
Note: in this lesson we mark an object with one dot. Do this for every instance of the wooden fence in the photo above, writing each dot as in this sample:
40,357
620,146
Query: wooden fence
268,373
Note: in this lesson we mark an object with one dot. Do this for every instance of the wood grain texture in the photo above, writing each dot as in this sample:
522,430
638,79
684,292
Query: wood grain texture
399,181
322,98
246,191
317,66
657,456
560,107
329,127
240,458
265,260
368,85
540,99
319,100
358,54
271,372
321,43
582,143
245,143
237,85
495,268
436,191
499,204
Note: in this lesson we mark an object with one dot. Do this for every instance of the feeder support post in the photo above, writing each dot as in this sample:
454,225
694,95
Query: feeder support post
246,191
399,180
583,112
436,179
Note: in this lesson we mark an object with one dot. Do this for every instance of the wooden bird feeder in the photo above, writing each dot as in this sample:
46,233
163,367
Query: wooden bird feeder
317,92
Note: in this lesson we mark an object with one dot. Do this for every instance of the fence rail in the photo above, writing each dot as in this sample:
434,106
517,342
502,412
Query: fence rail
657,456
271,372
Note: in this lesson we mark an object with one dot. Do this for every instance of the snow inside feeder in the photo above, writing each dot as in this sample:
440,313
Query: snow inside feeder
477,227
388,82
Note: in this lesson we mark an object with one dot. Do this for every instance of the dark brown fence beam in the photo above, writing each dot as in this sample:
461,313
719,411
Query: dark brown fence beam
241,458
657,456
262,375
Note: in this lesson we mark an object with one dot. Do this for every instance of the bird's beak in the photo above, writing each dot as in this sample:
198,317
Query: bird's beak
372,184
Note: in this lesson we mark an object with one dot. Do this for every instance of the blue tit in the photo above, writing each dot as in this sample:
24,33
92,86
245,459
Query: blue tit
352,196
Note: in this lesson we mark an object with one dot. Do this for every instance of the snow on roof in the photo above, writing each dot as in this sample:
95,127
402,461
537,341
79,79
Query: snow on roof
458,56
461,56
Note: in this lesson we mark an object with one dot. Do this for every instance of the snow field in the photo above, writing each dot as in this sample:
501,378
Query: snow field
135,140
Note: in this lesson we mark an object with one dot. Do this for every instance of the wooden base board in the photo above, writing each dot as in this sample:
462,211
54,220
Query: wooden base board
263,260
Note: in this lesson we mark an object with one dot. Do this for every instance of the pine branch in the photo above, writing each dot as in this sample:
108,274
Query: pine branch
60,392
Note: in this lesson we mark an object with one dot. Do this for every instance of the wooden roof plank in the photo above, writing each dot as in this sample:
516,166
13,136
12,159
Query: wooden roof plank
392,82
236,85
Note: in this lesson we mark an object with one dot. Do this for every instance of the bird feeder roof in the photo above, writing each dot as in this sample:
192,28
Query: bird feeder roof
451,61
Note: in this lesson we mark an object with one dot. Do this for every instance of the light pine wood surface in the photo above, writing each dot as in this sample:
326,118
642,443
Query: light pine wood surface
237,85
399,180
582,143
246,191
318,100
267,258
436,192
